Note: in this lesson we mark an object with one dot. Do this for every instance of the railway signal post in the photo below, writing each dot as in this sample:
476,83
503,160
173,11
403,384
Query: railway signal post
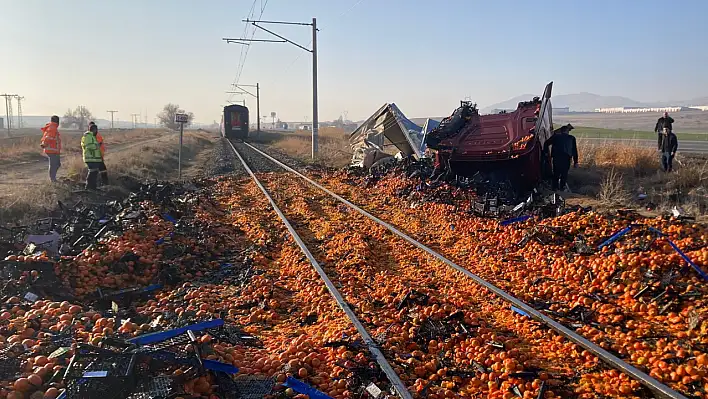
181,119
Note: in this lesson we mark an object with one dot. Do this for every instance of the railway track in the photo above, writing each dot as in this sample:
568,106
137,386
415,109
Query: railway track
398,293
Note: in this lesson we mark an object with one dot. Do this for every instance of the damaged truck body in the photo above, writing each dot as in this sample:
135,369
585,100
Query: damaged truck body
503,146
507,145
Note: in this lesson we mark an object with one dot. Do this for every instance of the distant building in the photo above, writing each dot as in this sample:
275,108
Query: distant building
631,110
561,110
701,107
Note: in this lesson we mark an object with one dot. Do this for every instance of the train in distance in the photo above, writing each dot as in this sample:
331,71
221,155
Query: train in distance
234,122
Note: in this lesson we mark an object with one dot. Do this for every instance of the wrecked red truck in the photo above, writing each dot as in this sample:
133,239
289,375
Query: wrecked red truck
507,144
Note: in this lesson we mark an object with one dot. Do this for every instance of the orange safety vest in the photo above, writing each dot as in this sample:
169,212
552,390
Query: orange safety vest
51,139
99,138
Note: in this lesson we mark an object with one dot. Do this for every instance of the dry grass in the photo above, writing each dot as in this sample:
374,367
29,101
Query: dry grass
26,148
615,174
334,149
31,202
154,160
612,189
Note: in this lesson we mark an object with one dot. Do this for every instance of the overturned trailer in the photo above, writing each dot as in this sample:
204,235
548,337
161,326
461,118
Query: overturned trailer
386,128
507,145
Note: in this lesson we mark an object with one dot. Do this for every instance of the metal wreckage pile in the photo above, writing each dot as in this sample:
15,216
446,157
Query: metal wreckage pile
482,195
78,318
498,177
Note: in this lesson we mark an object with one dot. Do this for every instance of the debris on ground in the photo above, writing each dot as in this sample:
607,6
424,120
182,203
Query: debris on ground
113,300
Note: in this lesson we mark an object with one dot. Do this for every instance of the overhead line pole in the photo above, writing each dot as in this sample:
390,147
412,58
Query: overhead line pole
8,111
112,112
313,51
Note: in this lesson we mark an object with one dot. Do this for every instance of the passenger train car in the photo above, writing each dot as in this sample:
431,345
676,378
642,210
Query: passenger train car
234,122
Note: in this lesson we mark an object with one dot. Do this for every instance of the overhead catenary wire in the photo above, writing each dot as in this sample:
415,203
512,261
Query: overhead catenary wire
244,49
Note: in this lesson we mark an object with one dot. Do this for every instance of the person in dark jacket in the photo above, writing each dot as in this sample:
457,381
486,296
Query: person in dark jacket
665,122
668,144
563,149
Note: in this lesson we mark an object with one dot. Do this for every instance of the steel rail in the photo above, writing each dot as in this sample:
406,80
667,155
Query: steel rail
659,389
393,378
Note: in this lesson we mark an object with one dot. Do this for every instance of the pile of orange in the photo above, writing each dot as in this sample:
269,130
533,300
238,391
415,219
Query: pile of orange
485,349
662,340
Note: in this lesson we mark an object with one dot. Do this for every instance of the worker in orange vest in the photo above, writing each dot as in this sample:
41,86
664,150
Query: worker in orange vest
102,171
51,145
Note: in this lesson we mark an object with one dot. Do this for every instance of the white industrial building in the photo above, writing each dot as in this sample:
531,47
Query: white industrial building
629,110
701,107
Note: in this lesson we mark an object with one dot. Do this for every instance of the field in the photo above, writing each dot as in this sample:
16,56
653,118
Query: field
685,122
22,149
131,157
582,132
334,149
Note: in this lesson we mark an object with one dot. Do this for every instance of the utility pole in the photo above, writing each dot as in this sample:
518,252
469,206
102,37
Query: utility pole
20,121
315,117
112,112
135,118
257,96
282,39
8,110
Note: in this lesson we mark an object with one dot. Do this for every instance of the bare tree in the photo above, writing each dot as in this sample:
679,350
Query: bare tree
167,116
78,118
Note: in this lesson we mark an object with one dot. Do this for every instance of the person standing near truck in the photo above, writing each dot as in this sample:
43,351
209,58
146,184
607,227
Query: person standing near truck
668,145
51,146
665,122
563,149
102,171
92,156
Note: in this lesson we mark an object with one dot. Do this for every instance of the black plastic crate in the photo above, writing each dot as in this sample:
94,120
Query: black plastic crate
93,365
161,387
245,387
234,336
92,375
91,388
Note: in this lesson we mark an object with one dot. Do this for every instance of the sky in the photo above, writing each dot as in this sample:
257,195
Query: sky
135,56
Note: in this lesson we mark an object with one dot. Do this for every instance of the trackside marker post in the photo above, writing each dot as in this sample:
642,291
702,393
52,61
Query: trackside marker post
181,119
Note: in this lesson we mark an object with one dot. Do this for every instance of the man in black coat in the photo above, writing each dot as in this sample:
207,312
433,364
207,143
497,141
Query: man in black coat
668,144
564,149
665,122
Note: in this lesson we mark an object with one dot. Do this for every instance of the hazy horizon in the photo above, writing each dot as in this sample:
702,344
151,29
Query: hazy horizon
136,56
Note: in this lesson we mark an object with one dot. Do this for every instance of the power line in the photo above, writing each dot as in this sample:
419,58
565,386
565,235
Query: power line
242,57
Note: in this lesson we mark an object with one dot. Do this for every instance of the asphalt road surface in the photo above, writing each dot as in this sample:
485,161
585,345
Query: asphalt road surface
689,147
